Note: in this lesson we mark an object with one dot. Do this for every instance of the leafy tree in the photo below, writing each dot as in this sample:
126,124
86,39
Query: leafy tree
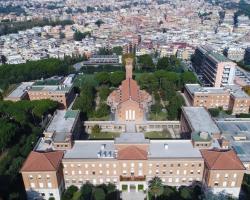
69,192
96,129
117,50
78,36
116,78
3,59
99,194
188,77
186,193
156,187
146,62
86,191
148,81
174,107
104,51
104,91
102,77
99,22
102,111
214,112
247,89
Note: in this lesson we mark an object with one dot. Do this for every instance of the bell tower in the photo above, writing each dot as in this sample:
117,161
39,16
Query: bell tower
129,68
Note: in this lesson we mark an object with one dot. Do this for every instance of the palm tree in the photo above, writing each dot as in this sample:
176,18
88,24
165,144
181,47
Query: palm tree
156,187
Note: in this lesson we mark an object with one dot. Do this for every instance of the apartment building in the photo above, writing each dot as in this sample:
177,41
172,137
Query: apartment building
60,133
43,175
216,70
223,171
130,161
230,97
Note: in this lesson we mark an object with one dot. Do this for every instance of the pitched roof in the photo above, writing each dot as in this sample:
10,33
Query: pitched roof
216,159
132,153
42,161
129,89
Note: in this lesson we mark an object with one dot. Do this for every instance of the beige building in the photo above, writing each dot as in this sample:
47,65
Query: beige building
43,176
130,161
223,171
63,94
230,97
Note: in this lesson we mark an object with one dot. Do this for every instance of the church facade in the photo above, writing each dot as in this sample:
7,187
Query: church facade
128,102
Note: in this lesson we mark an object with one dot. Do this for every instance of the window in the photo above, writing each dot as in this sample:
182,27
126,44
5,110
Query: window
72,165
185,172
114,165
49,185
30,176
199,171
178,172
107,165
41,185
177,180
86,165
114,172
124,165
164,165
235,175
32,185
48,176
78,165
93,165
233,184
140,164
217,175
132,164
192,172
51,194
73,172
43,194
216,184
170,180
226,175
171,171
100,165
179,165
87,172
93,173
107,172
224,183
80,172
39,176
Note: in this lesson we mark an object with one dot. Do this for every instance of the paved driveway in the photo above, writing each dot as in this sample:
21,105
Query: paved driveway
133,195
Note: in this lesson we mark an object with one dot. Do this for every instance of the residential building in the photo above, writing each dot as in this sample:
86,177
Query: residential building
20,92
247,56
216,70
42,175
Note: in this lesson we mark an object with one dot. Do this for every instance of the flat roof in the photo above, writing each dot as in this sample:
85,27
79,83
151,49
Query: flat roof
174,149
56,88
196,88
91,149
200,120
62,124
131,138
19,91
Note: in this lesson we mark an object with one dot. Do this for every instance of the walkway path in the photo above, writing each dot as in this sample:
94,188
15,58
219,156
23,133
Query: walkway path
133,195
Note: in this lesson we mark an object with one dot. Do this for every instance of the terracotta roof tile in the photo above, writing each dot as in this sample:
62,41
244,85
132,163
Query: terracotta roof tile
216,159
132,153
40,161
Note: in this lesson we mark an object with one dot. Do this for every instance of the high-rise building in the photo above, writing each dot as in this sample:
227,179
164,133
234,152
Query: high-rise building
215,69
247,56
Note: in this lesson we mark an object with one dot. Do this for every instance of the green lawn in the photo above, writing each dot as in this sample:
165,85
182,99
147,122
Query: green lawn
82,79
158,135
104,135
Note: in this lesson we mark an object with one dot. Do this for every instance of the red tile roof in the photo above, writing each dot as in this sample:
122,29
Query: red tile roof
132,153
129,89
40,161
216,159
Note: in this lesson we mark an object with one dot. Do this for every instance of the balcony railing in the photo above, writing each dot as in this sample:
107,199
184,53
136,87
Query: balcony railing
132,178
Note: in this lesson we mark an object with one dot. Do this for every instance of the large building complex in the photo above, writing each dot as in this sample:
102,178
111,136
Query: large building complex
230,97
215,69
